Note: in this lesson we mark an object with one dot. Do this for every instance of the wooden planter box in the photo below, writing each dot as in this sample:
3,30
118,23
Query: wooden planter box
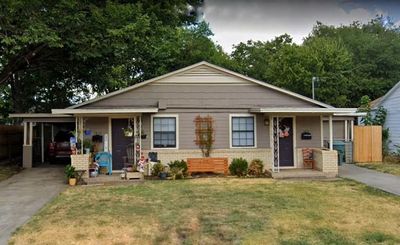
208,164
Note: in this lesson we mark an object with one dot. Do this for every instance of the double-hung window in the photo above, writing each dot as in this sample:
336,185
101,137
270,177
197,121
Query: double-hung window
164,132
243,131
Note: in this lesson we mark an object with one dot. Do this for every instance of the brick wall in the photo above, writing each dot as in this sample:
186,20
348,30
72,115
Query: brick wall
326,161
166,156
81,162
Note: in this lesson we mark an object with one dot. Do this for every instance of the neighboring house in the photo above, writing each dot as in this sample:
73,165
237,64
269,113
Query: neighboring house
391,102
252,119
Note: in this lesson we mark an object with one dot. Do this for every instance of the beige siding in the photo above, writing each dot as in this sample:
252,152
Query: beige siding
201,87
338,130
312,125
98,125
221,126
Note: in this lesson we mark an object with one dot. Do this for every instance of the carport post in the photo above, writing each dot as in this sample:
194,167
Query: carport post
27,146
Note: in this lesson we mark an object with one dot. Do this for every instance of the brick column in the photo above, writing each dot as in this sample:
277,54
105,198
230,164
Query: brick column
326,161
81,162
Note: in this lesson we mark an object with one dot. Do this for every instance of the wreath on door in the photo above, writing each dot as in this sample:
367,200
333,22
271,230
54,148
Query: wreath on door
284,131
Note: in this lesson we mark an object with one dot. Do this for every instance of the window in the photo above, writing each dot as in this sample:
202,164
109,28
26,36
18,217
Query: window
243,131
164,132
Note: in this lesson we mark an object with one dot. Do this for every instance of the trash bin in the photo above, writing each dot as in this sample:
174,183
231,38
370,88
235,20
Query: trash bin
339,146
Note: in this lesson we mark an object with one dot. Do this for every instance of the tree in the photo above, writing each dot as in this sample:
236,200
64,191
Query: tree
375,50
292,66
57,49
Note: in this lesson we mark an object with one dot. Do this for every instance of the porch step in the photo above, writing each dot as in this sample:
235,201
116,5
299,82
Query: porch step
301,174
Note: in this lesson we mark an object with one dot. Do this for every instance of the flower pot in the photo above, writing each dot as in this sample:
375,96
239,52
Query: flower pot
128,134
163,175
87,150
72,181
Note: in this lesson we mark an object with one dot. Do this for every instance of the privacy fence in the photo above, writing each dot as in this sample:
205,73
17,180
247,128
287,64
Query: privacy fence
367,144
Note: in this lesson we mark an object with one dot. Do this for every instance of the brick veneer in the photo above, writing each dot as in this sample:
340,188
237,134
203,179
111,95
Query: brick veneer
326,161
166,156
81,162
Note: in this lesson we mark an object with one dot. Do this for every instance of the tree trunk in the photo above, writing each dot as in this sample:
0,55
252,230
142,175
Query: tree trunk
17,97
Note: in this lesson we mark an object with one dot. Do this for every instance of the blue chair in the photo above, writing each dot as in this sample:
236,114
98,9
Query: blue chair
104,159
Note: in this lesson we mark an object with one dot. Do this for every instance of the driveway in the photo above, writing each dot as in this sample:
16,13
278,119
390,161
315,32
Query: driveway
386,182
22,195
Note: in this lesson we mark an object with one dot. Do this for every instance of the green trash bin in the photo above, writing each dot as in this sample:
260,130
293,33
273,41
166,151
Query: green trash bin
339,146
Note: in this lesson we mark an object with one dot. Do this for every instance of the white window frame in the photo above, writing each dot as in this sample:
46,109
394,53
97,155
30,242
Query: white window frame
255,130
176,116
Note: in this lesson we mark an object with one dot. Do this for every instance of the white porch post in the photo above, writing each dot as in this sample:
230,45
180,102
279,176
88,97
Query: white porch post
330,133
135,139
322,130
346,131
30,133
351,130
81,134
25,133
42,140
76,135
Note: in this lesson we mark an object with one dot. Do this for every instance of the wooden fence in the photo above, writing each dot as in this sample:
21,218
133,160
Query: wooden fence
11,139
367,145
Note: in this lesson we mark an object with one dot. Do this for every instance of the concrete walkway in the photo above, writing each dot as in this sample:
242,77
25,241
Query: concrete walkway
386,182
22,195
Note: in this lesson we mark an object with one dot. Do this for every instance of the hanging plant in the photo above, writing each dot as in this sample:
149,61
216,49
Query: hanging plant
128,132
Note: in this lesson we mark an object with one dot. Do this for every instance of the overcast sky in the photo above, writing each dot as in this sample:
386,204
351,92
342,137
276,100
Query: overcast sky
234,21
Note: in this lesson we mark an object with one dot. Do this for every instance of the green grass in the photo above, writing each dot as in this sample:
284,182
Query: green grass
218,211
6,171
385,167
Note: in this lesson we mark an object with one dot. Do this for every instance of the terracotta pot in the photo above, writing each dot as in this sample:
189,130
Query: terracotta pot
72,181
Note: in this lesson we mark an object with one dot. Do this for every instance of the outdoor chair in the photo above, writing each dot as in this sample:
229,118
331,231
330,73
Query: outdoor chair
104,159
129,159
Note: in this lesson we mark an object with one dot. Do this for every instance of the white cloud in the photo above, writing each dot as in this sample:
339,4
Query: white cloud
238,21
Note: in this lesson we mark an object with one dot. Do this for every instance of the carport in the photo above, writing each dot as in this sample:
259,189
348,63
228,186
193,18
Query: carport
39,129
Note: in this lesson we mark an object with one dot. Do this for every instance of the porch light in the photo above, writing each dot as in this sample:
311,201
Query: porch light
266,121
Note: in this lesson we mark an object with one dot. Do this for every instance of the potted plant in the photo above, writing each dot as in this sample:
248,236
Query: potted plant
87,145
128,132
70,174
160,170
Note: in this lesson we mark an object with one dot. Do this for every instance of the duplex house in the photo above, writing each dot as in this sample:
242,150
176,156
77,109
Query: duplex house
251,119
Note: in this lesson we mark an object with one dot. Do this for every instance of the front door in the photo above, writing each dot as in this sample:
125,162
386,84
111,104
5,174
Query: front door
285,134
119,142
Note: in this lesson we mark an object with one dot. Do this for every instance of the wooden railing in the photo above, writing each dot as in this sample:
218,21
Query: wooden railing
208,164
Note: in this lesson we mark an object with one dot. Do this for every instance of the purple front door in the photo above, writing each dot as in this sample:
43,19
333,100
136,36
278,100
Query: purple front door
286,142
119,142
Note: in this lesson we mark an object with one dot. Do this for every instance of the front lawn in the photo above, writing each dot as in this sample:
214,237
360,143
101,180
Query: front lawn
6,171
218,211
384,167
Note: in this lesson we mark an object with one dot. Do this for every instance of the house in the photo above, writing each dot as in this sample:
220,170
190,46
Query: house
252,119
391,102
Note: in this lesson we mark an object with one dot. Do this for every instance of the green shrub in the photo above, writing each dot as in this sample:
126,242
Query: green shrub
238,167
256,168
69,171
179,166
157,169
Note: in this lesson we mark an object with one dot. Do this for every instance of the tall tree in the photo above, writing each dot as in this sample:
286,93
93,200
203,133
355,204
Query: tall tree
52,50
